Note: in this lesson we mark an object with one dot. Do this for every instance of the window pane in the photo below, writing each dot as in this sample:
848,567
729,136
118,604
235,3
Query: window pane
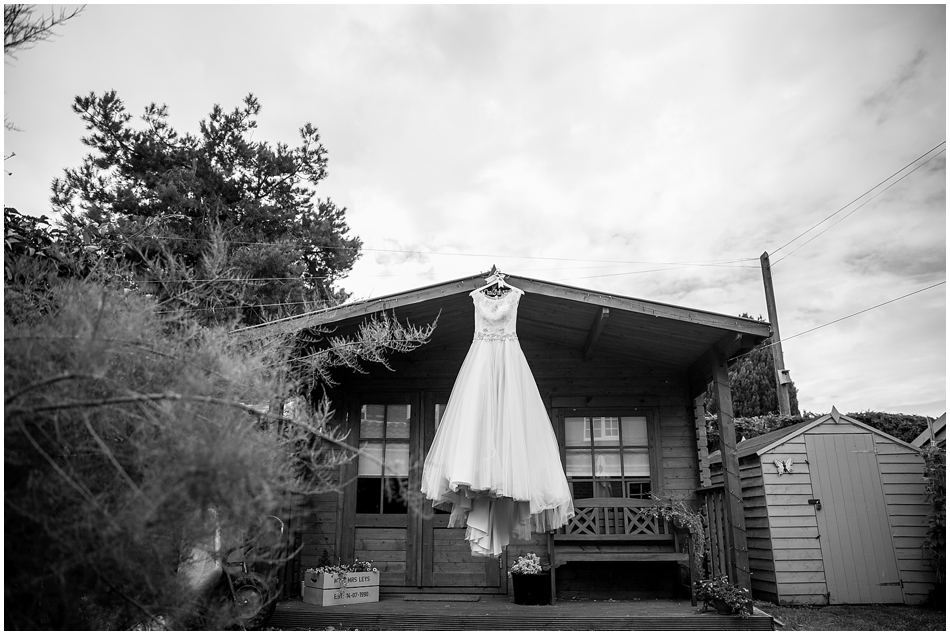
636,463
397,421
606,463
576,431
582,489
394,497
368,495
606,430
578,463
639,489
635,431
397,459
439,413
608,489
371,421
367,466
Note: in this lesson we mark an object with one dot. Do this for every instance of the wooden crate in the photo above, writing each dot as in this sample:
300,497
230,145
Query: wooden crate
323,590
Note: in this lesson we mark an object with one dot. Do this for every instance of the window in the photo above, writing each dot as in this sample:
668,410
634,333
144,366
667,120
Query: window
383,475
608,456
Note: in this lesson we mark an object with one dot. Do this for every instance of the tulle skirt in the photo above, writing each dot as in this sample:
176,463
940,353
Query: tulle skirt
495,462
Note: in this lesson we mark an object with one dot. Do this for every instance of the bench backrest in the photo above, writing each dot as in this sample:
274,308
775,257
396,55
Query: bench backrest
616,517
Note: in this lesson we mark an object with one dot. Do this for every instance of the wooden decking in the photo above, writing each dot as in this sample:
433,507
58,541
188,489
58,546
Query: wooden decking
500,613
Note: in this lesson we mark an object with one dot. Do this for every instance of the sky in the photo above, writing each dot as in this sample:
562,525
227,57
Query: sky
654,152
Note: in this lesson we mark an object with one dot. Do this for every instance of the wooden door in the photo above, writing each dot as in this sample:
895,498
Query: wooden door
446,560
378,491
854,532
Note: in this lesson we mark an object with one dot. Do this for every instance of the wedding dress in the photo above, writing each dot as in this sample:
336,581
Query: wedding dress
495,462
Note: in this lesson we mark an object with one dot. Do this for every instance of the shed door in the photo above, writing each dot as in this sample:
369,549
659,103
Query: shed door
855,536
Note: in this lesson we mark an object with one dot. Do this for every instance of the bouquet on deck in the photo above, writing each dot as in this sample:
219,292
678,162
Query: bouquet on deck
529,564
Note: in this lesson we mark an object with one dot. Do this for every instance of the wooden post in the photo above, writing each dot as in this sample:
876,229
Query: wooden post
702,450
735,514
781,374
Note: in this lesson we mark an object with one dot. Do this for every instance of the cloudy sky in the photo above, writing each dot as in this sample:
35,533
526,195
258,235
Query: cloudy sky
648,151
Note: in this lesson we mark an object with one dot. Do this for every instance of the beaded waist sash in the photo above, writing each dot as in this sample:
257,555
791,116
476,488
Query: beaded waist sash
495,336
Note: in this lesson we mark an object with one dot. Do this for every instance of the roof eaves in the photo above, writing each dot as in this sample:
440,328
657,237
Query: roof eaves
551,289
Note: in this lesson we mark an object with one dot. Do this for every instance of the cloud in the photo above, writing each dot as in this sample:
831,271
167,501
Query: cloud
925,264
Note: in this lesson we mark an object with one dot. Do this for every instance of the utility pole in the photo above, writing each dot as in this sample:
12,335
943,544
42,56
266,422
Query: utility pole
782,379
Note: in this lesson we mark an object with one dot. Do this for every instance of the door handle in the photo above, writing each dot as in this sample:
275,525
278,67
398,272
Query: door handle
816,502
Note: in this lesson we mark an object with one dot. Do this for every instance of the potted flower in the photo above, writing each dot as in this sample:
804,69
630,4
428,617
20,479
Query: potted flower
530,581
683,516
725,596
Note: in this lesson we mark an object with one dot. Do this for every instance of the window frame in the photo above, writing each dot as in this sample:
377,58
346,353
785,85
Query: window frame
385,441
653,443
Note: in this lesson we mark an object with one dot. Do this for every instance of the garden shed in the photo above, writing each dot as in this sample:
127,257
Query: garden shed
835,514
623,382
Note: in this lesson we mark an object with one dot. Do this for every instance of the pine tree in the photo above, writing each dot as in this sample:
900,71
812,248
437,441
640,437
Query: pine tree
752,381
169,204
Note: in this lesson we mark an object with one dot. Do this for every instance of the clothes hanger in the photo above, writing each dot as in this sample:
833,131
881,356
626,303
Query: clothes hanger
496,279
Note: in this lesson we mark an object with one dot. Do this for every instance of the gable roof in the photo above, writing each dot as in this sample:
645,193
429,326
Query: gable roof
766,442
663,335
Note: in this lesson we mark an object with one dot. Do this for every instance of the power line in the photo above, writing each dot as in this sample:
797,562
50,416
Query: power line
863,195
857,208
821,326
470,255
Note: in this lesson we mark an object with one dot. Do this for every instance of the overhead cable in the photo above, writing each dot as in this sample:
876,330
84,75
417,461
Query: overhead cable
859,198
821,326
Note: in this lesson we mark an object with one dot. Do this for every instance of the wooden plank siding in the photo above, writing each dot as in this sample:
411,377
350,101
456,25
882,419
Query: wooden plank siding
902,471
794,528
758,531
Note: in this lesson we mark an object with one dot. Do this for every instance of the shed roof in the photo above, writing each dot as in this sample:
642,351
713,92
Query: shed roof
638,330
763,443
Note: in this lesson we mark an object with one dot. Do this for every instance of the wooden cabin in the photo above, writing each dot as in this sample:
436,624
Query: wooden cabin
835,514
623,380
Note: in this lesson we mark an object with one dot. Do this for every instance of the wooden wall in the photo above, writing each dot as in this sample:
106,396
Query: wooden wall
798,571
318,528
902,471
566,381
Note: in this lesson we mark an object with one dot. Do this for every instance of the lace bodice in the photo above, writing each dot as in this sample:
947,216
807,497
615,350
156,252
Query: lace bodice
495,318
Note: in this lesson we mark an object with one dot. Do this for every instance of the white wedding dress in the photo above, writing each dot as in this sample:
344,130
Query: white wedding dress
494,462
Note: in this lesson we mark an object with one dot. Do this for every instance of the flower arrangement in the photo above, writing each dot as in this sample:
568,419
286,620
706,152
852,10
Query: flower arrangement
684,516
719,588
529,564
339,572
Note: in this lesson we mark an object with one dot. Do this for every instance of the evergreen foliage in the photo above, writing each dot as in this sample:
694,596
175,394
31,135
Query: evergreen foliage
752,382
129,438
900,426
935,473
162,201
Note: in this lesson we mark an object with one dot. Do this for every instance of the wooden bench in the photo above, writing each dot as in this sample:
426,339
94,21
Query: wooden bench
618,530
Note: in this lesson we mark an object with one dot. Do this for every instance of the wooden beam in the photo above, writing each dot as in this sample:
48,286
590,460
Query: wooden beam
596,328
735,514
